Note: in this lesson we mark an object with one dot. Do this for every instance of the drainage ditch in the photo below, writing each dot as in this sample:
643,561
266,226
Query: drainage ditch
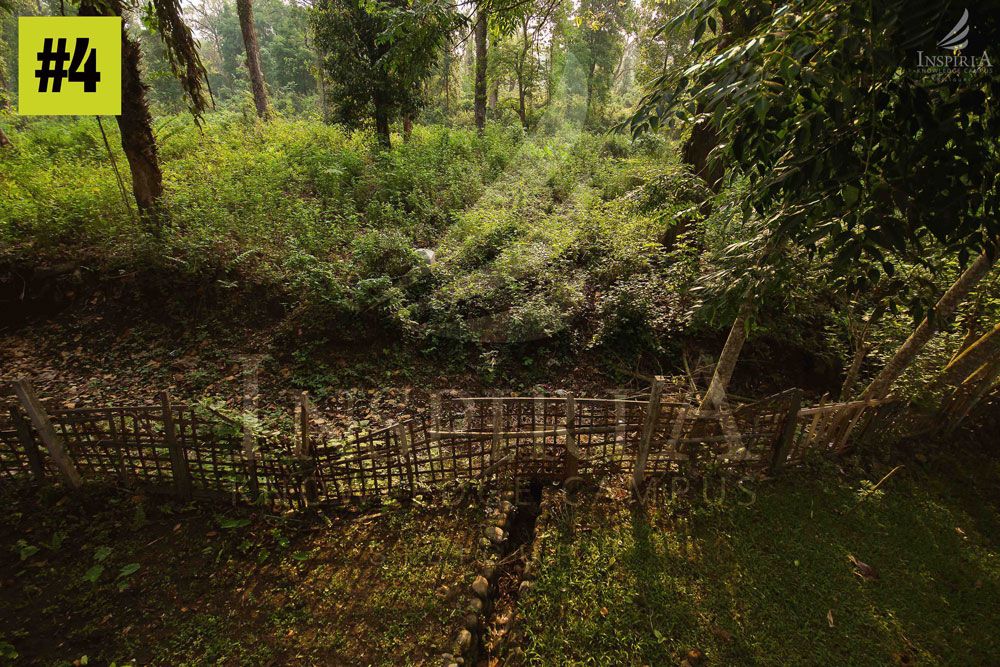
498,623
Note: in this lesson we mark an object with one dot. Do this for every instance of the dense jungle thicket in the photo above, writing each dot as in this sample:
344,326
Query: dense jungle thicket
530,173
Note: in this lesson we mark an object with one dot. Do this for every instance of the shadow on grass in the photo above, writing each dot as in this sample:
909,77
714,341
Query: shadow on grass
773,584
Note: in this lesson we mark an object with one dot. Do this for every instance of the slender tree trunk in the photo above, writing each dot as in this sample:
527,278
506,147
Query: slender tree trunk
969,394
973,358
447,76
480,89
244,8
861,350
135,124
716,393
944,310
407,127
4,140
590,90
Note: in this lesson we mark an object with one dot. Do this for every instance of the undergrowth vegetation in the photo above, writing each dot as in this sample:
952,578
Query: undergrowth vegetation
579,239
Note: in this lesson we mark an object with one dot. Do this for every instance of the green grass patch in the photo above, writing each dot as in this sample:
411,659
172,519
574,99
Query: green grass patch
772,583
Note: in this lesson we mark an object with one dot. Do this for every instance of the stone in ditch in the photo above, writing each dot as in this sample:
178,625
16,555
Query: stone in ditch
475,605
496,534
464,641
481,587
471,622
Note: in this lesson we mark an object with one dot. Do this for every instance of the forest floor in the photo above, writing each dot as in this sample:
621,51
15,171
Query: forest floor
108,578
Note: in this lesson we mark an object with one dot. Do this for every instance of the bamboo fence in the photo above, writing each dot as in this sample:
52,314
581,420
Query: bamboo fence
182,450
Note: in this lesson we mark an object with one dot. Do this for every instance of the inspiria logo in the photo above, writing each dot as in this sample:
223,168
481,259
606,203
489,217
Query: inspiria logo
955,41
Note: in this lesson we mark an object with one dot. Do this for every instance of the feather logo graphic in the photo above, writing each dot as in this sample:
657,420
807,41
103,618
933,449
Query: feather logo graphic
958,38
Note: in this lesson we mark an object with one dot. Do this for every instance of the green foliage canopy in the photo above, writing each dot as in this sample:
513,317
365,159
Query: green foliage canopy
849,143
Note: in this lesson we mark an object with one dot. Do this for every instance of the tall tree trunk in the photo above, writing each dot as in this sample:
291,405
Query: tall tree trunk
4,140
716,393
321,83
480,89
522,110
944,310
382,122
697,148
135,124
407,127
244,8
736,24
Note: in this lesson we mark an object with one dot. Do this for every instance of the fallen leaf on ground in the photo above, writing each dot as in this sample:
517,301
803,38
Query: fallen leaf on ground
862,569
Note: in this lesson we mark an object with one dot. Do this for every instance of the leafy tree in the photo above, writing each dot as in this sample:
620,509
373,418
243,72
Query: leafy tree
135,122
378,53
851,148
244,9
598,46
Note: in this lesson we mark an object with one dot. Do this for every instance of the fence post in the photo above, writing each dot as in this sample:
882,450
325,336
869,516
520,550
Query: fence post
28,442
178,460
304,453
572,450
57,449
648,427
784,442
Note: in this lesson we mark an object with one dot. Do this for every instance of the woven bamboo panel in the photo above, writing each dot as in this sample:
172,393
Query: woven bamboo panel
607,435
124,445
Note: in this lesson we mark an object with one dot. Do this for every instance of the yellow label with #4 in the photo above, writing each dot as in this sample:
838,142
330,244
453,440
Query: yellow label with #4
69,65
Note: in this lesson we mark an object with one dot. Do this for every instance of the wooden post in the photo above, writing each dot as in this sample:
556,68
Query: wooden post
28,442
54,443
404,449
784,443
572,449
648,427
497,415
178,460
304,452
